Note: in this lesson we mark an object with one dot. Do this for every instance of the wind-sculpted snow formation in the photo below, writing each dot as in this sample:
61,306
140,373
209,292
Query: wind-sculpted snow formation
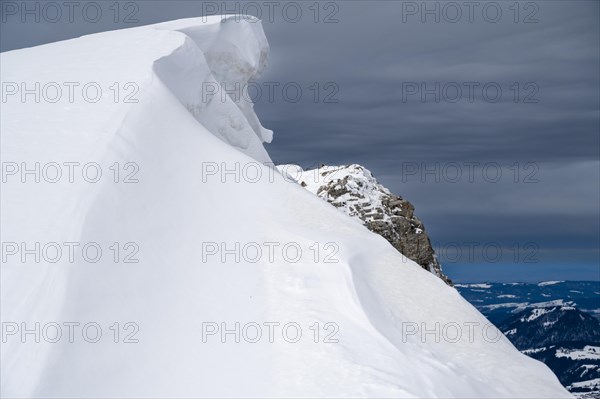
165,204
214,58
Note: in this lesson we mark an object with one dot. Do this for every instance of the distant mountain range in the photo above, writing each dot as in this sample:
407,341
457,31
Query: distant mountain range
499,301
555,322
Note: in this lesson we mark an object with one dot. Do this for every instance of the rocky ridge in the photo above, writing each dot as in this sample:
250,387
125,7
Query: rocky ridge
353,190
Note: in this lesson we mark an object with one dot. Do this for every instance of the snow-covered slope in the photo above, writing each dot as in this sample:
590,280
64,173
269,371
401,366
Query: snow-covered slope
178,289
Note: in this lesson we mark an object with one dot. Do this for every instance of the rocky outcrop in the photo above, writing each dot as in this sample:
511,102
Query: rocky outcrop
354,190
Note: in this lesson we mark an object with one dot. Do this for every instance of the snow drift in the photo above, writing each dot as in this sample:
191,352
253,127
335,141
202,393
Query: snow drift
169,200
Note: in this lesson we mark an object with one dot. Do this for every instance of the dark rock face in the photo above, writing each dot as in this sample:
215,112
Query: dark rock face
354,190
407,234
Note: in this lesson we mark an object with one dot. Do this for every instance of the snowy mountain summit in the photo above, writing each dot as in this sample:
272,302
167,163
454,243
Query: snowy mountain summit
354,190
163,275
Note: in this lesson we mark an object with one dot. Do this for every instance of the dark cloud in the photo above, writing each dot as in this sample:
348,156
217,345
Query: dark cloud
371,57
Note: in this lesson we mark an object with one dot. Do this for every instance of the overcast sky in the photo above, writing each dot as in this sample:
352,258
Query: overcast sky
485,115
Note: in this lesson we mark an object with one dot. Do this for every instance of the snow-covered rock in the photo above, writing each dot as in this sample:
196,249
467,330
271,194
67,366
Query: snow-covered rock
374,319
353,190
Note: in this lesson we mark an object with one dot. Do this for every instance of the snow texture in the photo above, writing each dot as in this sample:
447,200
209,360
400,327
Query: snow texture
171,134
